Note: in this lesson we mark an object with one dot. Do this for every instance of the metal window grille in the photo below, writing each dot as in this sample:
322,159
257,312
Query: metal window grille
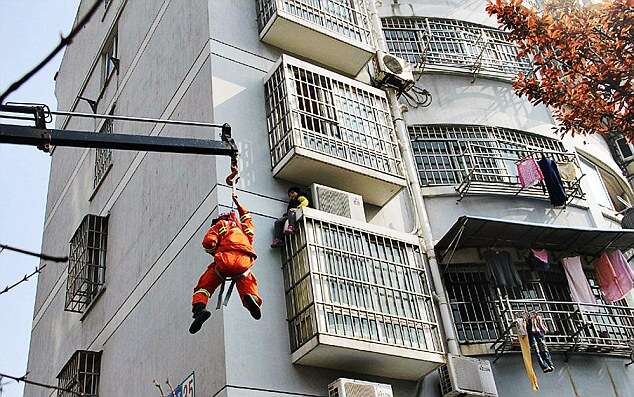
472,305
319,112
86,263
348,282
480,155
456,45
103,157
482,312
80,374
348,18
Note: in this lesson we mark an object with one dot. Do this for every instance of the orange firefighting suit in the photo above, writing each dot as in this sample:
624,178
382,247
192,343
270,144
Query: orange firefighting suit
231,243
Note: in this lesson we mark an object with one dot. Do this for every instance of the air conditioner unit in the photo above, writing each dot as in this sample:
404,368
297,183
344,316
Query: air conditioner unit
393,71
357,388
467,376
338,202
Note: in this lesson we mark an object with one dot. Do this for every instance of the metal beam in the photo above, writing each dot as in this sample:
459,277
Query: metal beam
24,135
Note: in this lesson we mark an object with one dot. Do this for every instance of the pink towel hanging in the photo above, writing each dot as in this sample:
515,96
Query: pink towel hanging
529,173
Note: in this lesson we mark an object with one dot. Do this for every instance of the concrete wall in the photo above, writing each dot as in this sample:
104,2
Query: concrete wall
159,207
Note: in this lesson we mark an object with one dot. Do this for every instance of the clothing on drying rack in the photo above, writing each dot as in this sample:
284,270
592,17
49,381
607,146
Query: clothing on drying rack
615,276
580,290
539,260
529,173
501,269
567,171
554,185
528,361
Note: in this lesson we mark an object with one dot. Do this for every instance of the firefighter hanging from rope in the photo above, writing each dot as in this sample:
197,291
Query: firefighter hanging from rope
230,242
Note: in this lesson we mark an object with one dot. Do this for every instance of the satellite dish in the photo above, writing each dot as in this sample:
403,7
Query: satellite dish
392,64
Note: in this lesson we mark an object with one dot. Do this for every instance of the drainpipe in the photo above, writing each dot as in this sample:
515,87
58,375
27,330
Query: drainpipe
422,220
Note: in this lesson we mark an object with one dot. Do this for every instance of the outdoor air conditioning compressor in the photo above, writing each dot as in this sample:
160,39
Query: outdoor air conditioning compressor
393,71
467,376
356,388
338,202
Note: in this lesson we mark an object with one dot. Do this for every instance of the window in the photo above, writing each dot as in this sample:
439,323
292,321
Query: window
604,185
80,375
446,154
482,312
448,43
103,157
86,263
110,58
349,282
625,149
345,17
329,114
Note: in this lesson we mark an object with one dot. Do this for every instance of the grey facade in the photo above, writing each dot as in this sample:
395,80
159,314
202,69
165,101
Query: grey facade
207,61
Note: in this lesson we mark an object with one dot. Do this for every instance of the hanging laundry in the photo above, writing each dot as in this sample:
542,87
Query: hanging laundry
522,336
501,269
580,290
615,276
555,187
539,260
529,173
567,171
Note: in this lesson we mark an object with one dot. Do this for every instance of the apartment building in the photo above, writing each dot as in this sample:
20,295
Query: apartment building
385,274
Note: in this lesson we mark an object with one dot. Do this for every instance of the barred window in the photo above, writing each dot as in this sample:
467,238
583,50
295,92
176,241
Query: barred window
446,43
329,115
348,282
482,312
446,154
103,157
345,17
86,263
80,375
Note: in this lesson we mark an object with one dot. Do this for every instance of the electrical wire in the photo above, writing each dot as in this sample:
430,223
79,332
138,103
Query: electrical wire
23,280
63,43
23,379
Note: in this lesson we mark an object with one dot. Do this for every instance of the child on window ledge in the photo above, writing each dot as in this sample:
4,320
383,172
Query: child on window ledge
295,200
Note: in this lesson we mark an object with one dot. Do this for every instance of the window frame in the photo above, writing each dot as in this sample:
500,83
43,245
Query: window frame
73,372
110,51
87,264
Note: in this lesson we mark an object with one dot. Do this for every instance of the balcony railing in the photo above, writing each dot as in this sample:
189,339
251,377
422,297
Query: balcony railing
435,44
482,160
358,298
332,130
333,32
573,327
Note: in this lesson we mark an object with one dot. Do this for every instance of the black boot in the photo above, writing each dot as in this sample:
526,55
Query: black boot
201,314
251,303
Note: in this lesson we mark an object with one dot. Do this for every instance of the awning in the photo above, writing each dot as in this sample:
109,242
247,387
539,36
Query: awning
480,232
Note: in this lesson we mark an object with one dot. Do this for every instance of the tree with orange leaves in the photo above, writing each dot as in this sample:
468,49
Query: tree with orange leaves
583,61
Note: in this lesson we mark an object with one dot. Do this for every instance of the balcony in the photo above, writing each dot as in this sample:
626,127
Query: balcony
453,46
332,130
573,327
334,33
358,299
482,160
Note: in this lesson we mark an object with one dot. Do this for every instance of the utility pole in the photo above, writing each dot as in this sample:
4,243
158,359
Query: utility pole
44,138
